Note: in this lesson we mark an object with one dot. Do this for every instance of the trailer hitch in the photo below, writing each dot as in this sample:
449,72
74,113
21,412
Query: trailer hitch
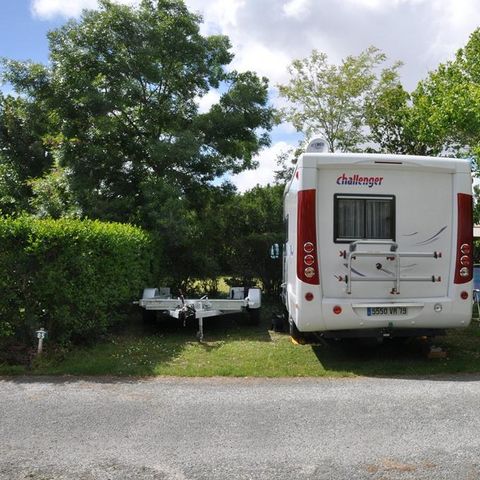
187,312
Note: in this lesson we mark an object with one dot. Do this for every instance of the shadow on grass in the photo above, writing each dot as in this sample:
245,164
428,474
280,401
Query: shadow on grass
232,348
407,358
234,326
154,348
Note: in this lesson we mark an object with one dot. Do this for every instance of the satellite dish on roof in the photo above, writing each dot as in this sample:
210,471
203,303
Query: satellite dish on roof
317,145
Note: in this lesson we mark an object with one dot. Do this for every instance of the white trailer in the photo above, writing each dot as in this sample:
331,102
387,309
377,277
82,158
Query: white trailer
240,299
377,245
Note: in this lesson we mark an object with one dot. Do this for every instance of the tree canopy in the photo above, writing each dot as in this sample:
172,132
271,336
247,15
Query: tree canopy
447,102
122,93
111,129
330,99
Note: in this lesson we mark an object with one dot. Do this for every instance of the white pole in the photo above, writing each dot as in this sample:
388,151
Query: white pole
40,346
40,335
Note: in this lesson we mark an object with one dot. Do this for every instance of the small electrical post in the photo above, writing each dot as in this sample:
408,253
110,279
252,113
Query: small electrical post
275,251
41,335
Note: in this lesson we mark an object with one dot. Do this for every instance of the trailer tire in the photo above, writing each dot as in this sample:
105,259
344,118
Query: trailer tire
278,322
253,316
149,317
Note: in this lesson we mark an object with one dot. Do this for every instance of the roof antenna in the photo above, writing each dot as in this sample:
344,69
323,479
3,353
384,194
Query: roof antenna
317,145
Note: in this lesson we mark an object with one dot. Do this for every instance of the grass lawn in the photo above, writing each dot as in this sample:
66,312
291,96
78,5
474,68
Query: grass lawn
233,349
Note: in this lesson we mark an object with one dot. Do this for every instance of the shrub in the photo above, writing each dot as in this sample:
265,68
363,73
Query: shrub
70,276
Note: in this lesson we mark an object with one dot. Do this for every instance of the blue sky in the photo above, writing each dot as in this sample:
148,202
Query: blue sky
23,36
267,35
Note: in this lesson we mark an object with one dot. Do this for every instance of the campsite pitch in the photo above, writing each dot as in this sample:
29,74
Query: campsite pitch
234,350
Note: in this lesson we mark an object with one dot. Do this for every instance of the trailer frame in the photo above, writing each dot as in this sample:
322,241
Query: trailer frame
184,309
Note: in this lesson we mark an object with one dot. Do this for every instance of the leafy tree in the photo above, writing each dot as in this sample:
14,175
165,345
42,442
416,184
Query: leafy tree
476,205
285,166
119,114
394,122
192,234
330,99
255,222
446,103
23,154
125,82
52,196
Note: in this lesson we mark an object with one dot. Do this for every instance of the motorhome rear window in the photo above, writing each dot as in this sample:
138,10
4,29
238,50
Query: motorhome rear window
367,217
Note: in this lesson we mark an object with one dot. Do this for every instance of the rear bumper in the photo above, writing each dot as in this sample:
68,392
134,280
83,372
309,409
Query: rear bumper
382,333
357,315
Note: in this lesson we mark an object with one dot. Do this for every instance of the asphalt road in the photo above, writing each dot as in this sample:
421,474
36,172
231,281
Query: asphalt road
67,428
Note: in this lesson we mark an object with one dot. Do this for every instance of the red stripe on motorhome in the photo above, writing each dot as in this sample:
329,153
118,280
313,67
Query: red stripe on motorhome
307,233
464,237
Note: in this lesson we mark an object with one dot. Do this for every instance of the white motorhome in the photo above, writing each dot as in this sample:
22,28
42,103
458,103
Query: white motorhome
377,244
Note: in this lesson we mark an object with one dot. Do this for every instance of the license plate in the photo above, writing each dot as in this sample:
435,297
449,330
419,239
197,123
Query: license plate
379,311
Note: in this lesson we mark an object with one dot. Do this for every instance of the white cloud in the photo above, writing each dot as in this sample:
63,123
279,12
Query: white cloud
454,22
51,8
296,8
265,172
218,15
266,35
382,5
47,9
286,127
263,59
205,102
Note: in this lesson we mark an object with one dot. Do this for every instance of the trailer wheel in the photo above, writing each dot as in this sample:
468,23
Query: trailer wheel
149,317
253,316
278,322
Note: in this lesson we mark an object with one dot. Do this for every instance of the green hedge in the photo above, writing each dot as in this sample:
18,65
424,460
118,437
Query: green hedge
72,277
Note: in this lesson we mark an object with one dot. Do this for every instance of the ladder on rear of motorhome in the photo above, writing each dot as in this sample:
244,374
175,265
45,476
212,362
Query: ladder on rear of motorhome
392,255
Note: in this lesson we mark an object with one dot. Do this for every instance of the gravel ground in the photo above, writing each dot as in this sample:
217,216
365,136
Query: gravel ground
367,428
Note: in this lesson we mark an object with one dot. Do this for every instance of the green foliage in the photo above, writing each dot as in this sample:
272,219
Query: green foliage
10,188
446,102
23,153
330,99
111,130
52,196
71,277
255,222
191,230
239,351
285,166
125,82
476,204
395,124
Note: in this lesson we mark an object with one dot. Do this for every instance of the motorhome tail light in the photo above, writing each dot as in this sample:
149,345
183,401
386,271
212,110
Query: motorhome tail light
309,296
308,247
337,309
309,273
307,270
308,259
463,272
464,295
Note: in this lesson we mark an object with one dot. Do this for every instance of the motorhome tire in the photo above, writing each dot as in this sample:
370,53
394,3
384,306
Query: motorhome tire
296,335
